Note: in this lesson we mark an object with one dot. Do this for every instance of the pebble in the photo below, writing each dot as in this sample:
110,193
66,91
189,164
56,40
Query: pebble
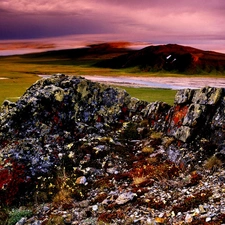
21,221
188,218
46,208
201,209
81,180
124,198
95,207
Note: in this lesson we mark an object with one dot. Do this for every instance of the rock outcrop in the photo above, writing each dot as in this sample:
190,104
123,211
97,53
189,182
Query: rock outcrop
50,121
73,142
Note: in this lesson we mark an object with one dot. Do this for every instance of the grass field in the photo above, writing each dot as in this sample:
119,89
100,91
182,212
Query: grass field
152,94
12,89
21,72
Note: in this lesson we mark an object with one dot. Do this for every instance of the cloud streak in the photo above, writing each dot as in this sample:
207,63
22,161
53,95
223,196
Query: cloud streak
162,21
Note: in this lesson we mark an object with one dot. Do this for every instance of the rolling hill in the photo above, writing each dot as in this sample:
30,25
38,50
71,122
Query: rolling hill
92,52
171,58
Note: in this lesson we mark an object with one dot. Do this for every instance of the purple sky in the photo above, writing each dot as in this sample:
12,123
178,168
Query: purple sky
198,23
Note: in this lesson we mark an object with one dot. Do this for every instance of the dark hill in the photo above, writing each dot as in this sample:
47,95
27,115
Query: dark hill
92,51
172,58
169,58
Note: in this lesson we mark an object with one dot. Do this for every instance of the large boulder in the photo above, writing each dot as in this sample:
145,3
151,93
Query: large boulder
47,124
65,124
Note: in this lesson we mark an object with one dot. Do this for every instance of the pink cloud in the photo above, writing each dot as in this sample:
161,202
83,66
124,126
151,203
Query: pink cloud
145,20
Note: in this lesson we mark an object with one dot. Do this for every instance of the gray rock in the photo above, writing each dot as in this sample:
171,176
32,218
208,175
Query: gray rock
183,133
207,96
73,123
21,221
125,197
184,96
195,114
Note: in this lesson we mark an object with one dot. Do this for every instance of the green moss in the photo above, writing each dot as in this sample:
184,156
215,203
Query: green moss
3,215
16,215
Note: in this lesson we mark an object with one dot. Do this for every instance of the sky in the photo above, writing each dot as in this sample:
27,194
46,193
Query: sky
46,24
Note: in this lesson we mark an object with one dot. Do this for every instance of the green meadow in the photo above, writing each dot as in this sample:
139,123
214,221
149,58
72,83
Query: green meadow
152,94
22,71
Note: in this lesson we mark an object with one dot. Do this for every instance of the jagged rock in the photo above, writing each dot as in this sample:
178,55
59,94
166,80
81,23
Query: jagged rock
207,96
183,133
184,96
157,114
70,125
194,114
44,127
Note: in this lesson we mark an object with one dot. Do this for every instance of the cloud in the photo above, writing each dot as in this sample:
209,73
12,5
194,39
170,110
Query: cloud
46,6
144,20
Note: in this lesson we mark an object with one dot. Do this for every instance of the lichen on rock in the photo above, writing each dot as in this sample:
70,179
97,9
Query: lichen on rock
100,146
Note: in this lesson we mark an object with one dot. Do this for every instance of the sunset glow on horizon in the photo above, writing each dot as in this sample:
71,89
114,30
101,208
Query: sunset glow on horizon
48,24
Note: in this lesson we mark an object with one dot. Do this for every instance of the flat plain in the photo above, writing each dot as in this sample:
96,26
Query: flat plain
19,72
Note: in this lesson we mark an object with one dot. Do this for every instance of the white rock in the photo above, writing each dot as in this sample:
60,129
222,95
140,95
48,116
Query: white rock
81,180
201,209
94,207
125,197
188,218
21,221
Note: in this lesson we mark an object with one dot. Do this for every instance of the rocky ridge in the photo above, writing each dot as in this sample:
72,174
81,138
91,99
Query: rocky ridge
86,153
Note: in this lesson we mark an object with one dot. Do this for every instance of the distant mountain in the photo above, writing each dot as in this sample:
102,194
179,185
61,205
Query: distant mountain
171,58
93,51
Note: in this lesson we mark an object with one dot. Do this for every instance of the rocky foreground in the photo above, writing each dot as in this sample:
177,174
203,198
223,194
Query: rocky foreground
74,151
